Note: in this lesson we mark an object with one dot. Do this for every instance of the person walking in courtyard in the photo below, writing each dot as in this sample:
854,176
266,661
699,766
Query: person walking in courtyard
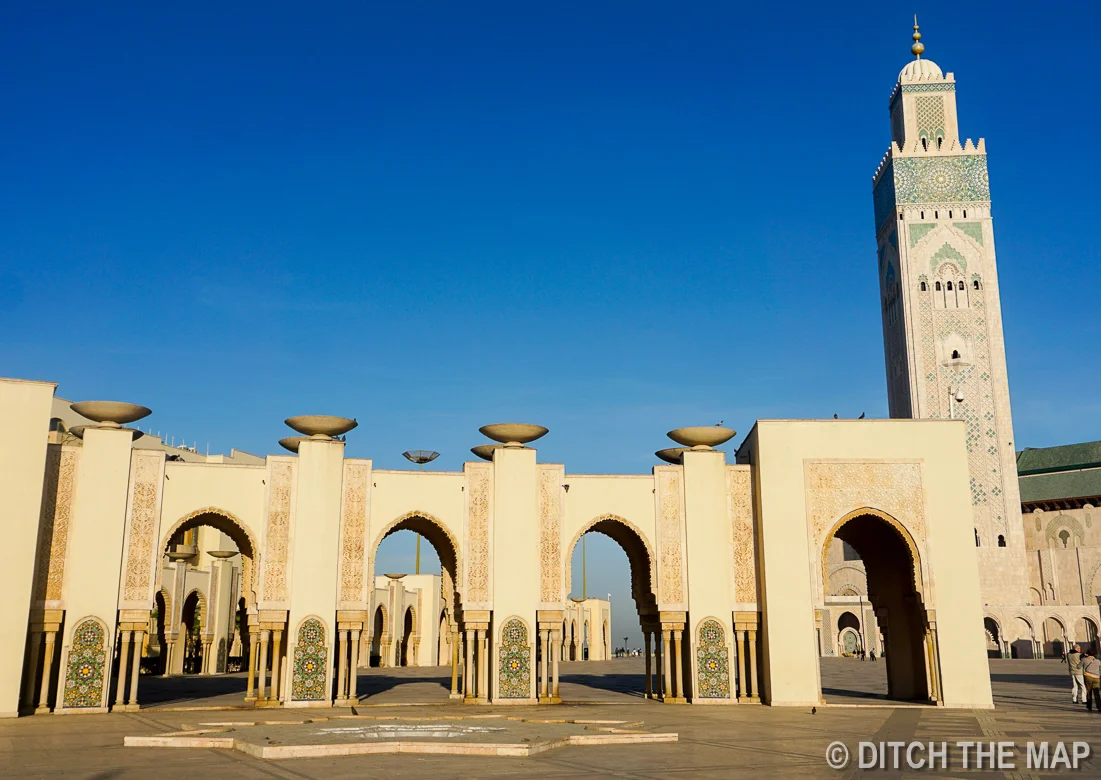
1091,672
1091,675
872,656
1077,683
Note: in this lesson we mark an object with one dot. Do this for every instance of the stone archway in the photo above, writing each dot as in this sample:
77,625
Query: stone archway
231,526
443,542
640,557
590,630
895,588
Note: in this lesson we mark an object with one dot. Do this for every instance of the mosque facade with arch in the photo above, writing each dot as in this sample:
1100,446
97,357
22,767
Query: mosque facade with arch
743,572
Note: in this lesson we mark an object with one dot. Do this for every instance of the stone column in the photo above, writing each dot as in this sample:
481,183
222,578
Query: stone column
47,671
665,693
657,667
206,656
341,664
678,648
743,690
276,663
468,668
354,670
753,665
124,668
253,655
135,673
483,666
554,668
30,668
261,688
454,665
544,649
649,666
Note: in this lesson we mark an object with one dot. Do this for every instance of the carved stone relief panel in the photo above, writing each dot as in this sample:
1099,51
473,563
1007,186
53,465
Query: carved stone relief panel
53,529
550,533
670,506
739,483
276,542
834,488
142,528
354,524
479,503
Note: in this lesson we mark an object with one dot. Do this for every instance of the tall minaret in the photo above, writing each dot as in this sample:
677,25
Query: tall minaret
942,318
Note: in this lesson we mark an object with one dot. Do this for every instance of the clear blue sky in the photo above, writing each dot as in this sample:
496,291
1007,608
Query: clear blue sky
610,219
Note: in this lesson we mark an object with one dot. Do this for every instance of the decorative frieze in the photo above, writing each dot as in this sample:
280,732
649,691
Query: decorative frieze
550,533
354,522
834,488
147,477
670,499
53,529
277,533
739,482
479,501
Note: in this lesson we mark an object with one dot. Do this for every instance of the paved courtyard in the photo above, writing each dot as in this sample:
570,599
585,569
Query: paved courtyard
1032,700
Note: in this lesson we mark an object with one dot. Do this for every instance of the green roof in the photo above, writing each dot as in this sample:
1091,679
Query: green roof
1060,486
1045,460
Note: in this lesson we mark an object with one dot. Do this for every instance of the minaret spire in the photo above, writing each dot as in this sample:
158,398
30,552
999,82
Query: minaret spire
918,46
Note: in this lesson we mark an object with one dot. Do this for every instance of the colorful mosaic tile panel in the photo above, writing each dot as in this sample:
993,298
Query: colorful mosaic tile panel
87,662
957,179
515,654
712,662
310,661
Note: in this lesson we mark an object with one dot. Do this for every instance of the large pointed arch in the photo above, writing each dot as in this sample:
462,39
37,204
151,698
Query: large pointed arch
640,557
229,524
443,542
892,561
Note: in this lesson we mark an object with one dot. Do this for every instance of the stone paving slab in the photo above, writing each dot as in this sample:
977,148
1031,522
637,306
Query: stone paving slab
349,735
740,741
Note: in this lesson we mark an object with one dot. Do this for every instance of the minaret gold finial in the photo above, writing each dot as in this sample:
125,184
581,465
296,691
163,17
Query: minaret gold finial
918,46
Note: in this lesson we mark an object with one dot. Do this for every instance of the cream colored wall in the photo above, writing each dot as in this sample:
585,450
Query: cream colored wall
779,452
24,421
710,543
231,489
515,549
395,494
96,531
316,537
594,496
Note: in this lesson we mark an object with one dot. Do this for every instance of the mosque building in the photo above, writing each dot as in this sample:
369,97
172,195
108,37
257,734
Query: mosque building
926,537
945,357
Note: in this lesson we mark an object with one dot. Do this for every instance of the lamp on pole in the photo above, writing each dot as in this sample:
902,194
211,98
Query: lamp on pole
420,457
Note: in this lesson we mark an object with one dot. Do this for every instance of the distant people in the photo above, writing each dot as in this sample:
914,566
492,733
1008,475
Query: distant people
863,654
1091,672
1077,683
872,654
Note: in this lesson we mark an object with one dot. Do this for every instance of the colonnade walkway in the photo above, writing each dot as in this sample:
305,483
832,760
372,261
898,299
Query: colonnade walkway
614,681
1032,698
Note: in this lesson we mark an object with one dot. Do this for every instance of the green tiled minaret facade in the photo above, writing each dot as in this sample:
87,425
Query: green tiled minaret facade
942,321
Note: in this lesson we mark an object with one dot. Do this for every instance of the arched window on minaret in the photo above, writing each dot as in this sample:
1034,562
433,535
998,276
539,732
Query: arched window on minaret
977,544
